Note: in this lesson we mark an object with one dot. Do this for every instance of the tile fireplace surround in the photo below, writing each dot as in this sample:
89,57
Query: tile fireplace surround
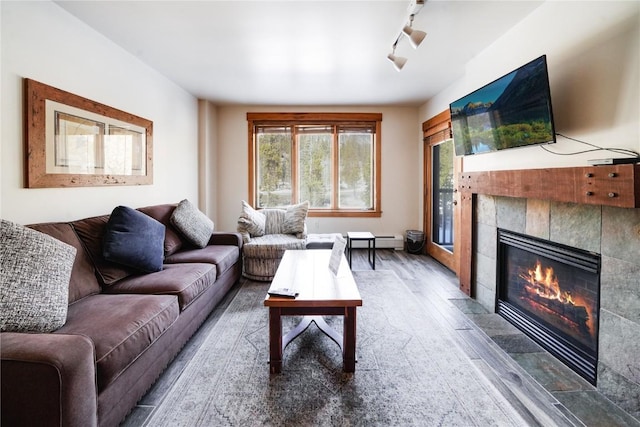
612,232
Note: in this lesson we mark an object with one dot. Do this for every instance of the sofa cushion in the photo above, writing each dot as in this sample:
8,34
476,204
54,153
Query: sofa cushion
223,256
272,246
91,231
294,219
134,239
186,281
35,269
121,327
251,222
83,275
162,213
194,225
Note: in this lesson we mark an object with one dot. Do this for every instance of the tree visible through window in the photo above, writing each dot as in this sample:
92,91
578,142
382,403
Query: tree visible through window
356,172
274,166
331,160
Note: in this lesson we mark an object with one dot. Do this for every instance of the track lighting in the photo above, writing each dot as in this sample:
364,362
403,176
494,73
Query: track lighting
398,61
415,37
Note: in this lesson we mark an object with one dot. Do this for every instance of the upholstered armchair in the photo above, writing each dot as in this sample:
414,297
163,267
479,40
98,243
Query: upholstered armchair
267,233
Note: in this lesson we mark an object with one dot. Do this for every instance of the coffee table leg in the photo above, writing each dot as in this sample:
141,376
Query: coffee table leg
275,340
349,343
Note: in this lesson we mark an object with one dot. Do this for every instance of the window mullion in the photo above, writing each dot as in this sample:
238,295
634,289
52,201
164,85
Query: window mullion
295,165
336,169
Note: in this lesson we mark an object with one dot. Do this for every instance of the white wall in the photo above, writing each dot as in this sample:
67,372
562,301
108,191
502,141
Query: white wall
43,42
401,178
593,55
207,158
1,115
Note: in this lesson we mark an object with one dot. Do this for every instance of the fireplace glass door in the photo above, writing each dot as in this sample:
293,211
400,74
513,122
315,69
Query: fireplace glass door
551,292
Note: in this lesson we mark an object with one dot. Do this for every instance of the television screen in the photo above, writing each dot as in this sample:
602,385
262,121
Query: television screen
512,111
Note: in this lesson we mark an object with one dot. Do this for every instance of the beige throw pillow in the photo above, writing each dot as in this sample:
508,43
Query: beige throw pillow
294,219
251,223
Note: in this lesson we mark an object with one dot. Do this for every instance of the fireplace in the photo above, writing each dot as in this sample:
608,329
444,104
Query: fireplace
551,292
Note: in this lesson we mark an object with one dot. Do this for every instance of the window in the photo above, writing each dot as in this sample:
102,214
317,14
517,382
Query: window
332,160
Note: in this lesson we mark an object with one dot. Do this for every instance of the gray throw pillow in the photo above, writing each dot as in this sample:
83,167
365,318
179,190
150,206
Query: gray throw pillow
35,270
251,223
294,219
194,225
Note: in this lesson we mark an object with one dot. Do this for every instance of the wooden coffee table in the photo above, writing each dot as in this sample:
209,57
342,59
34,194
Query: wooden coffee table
320,293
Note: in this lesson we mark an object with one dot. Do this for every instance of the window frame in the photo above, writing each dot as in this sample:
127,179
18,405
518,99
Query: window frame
328,119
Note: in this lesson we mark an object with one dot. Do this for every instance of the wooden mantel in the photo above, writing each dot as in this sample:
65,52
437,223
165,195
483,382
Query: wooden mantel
615,185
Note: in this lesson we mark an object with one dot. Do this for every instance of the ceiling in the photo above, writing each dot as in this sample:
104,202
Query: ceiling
302,52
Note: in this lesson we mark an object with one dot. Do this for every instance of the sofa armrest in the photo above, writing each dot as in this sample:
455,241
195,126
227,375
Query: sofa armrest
48,379
226,238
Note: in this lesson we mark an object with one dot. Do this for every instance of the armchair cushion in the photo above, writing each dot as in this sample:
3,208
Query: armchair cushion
34,281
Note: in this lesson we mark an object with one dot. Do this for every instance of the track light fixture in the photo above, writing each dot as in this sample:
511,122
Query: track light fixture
415,37
398,61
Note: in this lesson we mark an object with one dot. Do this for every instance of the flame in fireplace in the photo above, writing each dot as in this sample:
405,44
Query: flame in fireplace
543,283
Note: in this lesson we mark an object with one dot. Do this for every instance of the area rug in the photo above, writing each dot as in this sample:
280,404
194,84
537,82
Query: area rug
409,370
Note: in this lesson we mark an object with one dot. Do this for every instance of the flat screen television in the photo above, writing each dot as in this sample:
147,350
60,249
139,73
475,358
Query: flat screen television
512,111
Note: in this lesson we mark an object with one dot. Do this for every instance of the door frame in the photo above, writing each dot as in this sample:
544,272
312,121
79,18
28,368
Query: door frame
436,130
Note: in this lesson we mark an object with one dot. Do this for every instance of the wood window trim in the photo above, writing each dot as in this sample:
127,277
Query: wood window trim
438,123
256,119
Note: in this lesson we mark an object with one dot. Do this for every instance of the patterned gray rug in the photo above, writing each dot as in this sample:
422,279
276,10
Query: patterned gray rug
409,371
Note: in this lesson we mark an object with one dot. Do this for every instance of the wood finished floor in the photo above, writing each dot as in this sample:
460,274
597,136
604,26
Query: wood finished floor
543,390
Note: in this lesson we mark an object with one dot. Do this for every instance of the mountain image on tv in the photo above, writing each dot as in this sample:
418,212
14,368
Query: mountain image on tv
513,111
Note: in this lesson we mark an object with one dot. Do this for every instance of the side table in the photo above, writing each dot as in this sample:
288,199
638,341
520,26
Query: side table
371,244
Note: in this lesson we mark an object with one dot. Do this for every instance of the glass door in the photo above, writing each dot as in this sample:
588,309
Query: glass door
441,168
442,200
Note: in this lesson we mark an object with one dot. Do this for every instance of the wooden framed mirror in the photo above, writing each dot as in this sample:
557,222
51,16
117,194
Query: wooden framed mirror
71,141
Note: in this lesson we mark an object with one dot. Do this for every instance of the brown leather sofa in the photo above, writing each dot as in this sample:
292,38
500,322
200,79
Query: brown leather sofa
122,327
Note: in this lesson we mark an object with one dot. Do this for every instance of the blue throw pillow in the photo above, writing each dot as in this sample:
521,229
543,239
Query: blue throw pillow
134,239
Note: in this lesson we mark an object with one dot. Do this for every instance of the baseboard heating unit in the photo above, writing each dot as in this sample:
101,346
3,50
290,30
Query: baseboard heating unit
384,242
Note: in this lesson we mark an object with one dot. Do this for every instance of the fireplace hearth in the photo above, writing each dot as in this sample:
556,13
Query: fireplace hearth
551,292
